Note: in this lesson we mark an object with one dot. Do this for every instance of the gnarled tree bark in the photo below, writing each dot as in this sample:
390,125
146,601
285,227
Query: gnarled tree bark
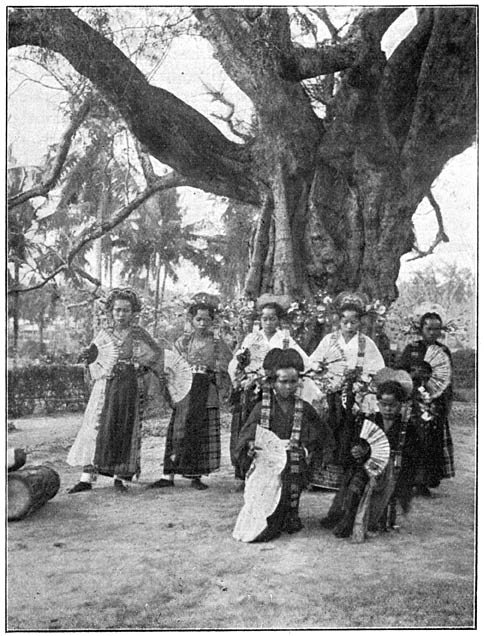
337,194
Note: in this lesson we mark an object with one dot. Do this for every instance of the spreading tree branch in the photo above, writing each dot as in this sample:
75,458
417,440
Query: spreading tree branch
367,30
83,274
172,131
440,237
51,178
97,230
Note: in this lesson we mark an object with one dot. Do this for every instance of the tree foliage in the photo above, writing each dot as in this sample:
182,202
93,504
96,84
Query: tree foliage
336,185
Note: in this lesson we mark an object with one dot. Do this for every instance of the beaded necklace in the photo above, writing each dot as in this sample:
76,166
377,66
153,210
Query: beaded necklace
294,456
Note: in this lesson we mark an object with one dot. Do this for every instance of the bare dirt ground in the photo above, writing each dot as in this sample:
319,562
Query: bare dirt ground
166,559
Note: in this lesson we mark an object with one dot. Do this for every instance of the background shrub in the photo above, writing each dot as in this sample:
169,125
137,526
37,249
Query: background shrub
464,361
57,387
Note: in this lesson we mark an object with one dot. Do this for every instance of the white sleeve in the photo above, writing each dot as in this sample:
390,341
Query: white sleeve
321,351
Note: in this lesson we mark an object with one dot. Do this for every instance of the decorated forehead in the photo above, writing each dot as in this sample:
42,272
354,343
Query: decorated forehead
351,301
126,294
195,308
206,299
281,301
386,378
428,311
203,301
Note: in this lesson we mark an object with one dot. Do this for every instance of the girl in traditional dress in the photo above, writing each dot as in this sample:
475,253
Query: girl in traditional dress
433,422
120,357
289,418
362,360
192,446
246,370
366,502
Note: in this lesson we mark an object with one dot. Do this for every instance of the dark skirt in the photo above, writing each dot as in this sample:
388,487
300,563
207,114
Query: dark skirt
437,452
193,438
117,447
342,424
242,404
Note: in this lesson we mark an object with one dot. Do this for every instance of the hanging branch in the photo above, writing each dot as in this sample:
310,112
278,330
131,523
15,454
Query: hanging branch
51,178
218,96
97,230
440,237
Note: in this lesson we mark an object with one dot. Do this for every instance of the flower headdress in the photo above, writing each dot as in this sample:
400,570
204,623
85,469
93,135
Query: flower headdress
123,293
359,299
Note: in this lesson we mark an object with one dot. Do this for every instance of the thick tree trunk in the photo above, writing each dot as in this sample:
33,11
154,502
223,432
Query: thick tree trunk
337,194
351,219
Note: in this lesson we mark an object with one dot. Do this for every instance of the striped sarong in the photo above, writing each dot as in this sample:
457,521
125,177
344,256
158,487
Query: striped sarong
193,438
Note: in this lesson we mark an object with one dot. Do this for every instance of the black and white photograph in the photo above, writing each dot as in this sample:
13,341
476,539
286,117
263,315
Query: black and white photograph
241,317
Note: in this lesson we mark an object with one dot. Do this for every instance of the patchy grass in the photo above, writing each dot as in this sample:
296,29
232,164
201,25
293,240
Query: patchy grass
166,559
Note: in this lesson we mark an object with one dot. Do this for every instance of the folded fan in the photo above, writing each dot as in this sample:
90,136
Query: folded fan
441,370
380,448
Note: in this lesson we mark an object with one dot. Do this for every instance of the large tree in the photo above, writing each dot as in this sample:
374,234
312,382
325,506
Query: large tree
337,189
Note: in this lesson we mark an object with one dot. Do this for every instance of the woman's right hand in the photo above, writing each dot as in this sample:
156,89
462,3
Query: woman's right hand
358,452
89,355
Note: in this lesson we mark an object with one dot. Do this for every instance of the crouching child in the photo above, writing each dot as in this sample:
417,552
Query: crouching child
274,449
367,498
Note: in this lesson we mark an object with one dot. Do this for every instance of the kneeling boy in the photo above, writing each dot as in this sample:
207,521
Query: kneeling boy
290,418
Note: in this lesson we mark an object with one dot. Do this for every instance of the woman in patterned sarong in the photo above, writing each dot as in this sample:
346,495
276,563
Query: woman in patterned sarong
192,446
438,451
109,440
362,359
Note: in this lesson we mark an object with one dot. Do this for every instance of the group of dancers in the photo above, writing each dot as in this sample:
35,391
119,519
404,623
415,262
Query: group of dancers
294,418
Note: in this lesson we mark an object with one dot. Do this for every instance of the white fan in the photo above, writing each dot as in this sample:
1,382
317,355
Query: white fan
178,375
441,370
258,348
380,448
334,366
263,485
107,355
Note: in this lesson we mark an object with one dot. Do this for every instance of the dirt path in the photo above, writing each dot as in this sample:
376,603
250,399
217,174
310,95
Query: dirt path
166,559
